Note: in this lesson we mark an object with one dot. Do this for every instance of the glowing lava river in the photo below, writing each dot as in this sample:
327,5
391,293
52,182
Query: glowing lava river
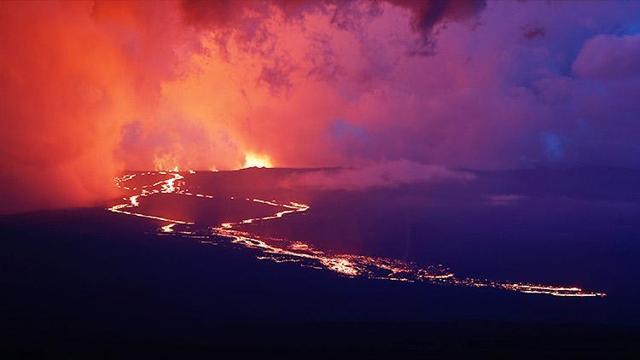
282,250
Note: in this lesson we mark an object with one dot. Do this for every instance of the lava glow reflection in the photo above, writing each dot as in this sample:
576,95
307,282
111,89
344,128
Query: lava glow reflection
286,251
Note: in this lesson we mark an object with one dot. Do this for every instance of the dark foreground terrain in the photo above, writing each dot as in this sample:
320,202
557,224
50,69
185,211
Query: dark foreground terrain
86,282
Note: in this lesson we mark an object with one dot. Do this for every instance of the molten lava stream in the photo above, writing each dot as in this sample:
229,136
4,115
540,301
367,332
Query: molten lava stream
283,250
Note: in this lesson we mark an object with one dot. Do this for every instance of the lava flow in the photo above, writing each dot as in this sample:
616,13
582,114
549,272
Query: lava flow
283,250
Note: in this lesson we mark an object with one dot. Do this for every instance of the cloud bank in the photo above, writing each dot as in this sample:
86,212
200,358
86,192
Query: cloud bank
378,175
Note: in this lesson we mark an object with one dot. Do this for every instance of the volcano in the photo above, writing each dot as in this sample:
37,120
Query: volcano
182,255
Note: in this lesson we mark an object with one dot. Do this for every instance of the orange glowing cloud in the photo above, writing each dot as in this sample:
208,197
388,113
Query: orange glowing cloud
66,90
91,88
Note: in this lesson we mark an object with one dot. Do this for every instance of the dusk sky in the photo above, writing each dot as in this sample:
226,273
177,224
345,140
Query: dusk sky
89,89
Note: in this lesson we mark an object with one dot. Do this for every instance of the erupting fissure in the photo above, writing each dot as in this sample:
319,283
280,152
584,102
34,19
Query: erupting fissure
283,250
255,160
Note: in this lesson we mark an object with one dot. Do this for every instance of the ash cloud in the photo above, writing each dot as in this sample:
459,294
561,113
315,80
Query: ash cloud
426,16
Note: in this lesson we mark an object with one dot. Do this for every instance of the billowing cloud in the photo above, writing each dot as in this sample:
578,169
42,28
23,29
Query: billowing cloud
91,88
609,57
65,91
